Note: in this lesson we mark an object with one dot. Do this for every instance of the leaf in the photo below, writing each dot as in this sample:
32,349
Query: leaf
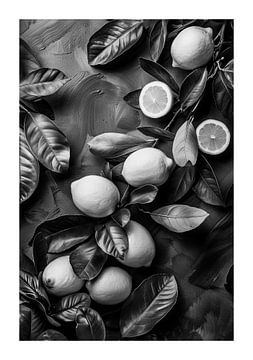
160,73
148,304
143,195
89,325
121,217
180,182
39,106
29,169
87,260
229,73
124,190
28,61
179,28
65,310
156,132
107,171
112,239
207,188
113,40
42,82
223,95
192,88
68,238
185,145
31,323
157,39
47,142
132,99
117,172
179,218
50,335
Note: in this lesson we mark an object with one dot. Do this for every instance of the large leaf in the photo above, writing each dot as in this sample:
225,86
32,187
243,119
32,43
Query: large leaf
223,95
89,325
31,323
42,82
193,87
113,40
51,335
132,98
185,145
207,188
47,142
157,39
65,310
180,182
29,169
69,237
88,260
28,61
121,216
179,218
160,73
148,304
112,239
143,195
156,132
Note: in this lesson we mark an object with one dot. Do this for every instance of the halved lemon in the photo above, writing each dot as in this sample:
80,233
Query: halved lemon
155,99
213,136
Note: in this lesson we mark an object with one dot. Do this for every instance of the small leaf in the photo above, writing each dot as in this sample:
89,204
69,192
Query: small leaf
117,172
106,171
28,61
223,95
121,217
160,73
68,238
113,40
192,88
180,182
42,82
124,190
148,304
156,132
87,260
112,239
29,169
65,310
51,335
179,218
89,325
185,145
47,142
143,195
157,39
132,99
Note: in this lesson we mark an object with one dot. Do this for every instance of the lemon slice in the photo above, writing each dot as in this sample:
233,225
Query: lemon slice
213,136
155,99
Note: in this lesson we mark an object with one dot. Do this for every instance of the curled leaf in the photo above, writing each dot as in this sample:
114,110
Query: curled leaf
121,217
47,142
65,310
132,99
89,325
156,132
179,218
157,39
143,195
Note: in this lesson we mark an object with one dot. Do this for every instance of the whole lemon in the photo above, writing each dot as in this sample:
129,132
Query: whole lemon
141,246
95,195
59,278
112,286
147,166
193,47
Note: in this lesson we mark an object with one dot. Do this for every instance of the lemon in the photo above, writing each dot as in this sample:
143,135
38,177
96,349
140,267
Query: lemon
112,286
95,195
193,47
141,246
155,99
147,166
59,278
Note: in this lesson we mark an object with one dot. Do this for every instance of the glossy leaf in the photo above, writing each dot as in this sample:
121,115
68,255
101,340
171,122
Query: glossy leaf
89,325
185,145
180,182
65,310
47,142
132,99
192,88
223,95
207,187
143,195
229,73
87,260
148,304
28,61
42,82
68,238
31,323
112,239
179,218
121,217
157,39
51,335
113,40
159,73
29,169
156,132
124,190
